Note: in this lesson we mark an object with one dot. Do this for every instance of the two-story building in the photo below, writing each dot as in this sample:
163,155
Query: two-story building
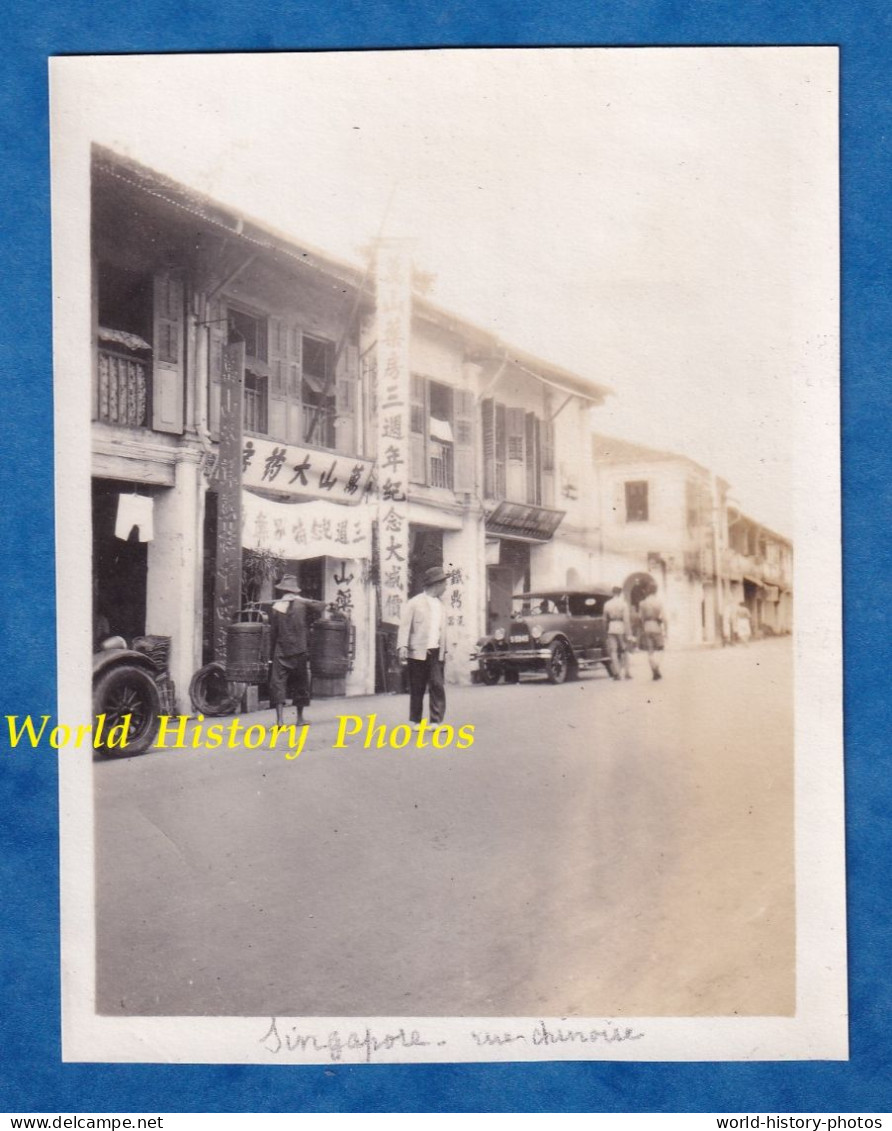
199,312
758,569
662,517
260,407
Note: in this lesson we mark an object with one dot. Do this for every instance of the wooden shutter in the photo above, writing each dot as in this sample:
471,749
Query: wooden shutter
295,409
463,420
501,447
515,427
546,462
167,368
418,429
487,425
217,335
277,385
534,494
345,400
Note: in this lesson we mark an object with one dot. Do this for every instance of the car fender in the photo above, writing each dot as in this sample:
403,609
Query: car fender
102,661
549,638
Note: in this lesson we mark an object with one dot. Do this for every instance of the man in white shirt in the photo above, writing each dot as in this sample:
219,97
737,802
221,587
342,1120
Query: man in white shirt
421,643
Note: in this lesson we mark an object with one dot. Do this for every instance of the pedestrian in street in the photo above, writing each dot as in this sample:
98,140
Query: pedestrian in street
619,628
421,643
653,623
290,622
744,624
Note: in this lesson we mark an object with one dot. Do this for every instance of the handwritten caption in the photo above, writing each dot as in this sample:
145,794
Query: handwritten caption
367,1044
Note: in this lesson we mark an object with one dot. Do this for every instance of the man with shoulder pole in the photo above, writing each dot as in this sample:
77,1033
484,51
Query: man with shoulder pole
421,643
290,621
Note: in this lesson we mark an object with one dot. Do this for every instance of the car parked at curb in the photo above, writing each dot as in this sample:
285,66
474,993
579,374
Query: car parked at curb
125,685
557,632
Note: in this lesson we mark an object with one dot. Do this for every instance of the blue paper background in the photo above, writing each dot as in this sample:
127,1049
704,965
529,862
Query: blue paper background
32,1078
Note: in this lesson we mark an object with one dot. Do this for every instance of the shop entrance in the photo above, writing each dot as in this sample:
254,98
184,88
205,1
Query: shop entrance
510,576
120,568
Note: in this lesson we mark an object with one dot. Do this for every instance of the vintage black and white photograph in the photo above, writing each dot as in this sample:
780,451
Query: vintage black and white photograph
447,495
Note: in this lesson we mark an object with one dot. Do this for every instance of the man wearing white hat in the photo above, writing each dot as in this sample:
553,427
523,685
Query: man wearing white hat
290,621
421,643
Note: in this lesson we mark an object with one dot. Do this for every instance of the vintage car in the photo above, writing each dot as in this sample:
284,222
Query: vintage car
125,683
556,632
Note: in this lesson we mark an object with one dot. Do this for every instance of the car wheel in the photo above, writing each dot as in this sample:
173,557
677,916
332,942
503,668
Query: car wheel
128,690
490,669
557,667
212,694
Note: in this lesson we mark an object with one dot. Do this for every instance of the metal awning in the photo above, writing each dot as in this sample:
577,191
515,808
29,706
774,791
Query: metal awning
523,521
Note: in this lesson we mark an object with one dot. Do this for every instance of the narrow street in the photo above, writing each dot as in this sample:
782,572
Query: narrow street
601,849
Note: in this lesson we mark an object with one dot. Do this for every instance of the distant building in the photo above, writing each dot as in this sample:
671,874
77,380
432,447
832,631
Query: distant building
757,566
665,517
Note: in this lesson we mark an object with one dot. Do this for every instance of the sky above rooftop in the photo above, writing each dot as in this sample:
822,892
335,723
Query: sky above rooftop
660,221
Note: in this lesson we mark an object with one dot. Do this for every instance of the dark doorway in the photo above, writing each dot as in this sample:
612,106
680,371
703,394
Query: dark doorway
425,550
120,568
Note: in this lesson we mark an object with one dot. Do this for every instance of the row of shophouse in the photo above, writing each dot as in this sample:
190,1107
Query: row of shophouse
259,408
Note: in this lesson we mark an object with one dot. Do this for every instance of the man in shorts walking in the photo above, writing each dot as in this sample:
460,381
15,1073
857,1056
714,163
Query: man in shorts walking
619,629
653,623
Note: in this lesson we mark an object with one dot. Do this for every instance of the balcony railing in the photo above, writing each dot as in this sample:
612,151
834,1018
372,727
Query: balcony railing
123,389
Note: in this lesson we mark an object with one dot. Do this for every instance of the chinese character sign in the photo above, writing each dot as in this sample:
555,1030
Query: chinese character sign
306,530
304,472
393,315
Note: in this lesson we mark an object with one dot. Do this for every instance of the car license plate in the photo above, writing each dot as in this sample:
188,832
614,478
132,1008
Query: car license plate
520,638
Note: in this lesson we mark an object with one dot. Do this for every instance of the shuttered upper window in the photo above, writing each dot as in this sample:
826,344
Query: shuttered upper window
637,509
518,454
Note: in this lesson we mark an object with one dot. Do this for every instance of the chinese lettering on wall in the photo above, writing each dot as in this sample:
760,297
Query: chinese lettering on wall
305,472
393,314
306,530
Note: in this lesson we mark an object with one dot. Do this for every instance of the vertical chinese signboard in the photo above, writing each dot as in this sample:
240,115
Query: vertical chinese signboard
228,591
393,315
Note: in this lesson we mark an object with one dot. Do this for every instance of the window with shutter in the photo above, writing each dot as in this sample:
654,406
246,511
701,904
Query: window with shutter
487,426
463,423
318,392
345,400
277,418
636,500
417,429
168,389
216,343
501,489
295,412
534,493
546,463
516,427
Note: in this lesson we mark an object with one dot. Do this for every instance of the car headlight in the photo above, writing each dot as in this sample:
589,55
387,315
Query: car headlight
536,631
499,634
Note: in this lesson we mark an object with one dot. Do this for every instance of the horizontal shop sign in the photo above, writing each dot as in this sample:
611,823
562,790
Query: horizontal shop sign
304,472
296,531
523,520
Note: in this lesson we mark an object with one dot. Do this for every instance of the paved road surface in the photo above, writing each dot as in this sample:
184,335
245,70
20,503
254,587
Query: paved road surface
602,849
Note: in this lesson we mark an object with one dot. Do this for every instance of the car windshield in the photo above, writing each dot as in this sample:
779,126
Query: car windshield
565,604
536,606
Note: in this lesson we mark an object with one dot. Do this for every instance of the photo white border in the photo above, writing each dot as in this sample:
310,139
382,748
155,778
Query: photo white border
819,1029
